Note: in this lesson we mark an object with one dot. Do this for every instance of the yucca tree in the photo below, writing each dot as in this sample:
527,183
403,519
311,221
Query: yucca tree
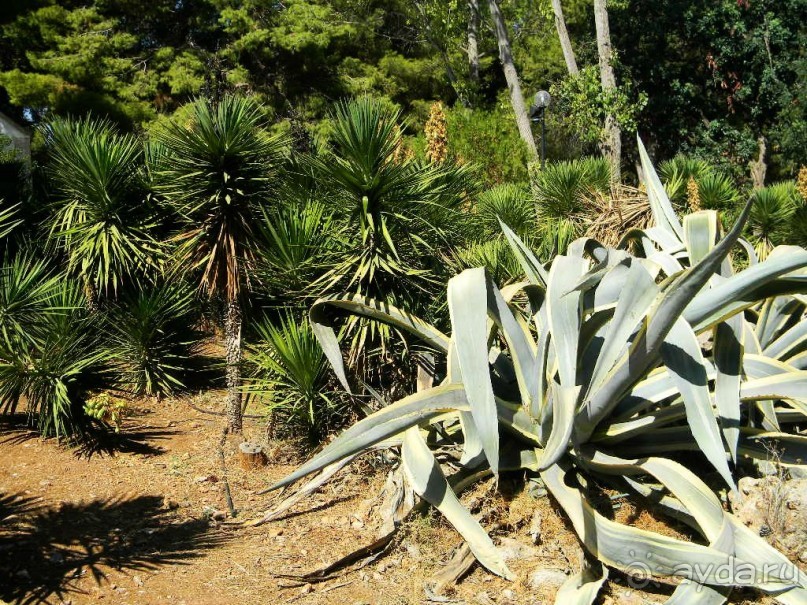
395,212
102,217
213,168
593,371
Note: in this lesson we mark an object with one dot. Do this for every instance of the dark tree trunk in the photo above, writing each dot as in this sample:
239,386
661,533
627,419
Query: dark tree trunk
511,76
563,36
473,41
611,144
232,336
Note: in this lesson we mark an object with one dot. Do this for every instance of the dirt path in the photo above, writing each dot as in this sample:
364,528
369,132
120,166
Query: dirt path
146,525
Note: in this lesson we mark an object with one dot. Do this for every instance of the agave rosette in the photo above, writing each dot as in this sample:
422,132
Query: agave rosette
608,364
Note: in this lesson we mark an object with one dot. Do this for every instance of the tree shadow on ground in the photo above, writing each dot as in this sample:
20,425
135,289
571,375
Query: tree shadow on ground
45,552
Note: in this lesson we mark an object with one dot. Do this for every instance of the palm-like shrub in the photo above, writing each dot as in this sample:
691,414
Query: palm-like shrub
289,373
394,212
301,240
676,173
509,204
590,371
101,217
495,255
214,171
770,222
149,338
48,348
560,191
716,191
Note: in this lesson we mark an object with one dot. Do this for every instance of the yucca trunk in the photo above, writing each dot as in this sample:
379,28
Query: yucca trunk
611,145
232,336
511,76
563,36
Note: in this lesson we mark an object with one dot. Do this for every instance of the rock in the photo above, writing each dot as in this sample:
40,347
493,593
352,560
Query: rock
307,589
484,599
516,551
137,580
803,557
219,515
547,577
509,595
170,503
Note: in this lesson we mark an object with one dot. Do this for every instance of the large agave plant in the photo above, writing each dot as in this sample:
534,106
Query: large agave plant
611,366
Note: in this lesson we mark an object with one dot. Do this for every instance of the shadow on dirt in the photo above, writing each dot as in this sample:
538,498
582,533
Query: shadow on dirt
16,429
44,552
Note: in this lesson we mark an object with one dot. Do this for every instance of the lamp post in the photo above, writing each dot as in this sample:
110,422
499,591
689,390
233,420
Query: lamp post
537,111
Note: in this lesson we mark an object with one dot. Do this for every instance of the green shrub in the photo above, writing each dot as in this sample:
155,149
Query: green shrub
150,334
560,192
49,354
288,372
595,372
716,191
676,172
510,204
771,220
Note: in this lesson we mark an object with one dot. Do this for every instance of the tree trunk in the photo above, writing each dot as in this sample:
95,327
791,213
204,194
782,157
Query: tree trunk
232,335
611,145
511,76
473,41
759,167
563,36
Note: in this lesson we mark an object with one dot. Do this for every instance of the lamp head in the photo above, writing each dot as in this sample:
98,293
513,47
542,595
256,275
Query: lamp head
541,102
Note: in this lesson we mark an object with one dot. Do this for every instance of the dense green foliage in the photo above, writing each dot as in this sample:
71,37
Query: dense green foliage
732,73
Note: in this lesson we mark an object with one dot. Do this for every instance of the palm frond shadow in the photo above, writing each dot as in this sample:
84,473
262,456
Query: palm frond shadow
16,429
44,552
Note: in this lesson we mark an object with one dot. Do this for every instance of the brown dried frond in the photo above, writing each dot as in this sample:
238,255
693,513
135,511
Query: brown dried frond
610,215
436,134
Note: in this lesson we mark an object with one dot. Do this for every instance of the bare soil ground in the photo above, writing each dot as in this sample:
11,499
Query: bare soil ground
146,522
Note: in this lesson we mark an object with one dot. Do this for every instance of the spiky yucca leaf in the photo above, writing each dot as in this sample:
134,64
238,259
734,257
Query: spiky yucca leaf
596,363
55,368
